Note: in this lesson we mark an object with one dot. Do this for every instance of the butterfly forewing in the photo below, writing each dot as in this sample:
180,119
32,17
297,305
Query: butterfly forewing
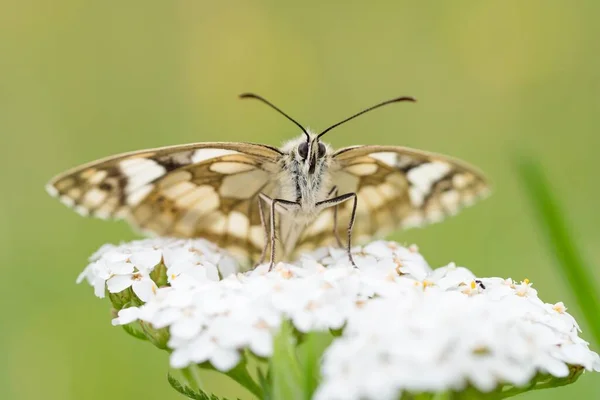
200,190
211,190
397,188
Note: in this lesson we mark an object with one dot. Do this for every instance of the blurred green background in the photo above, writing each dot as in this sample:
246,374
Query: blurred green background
81,80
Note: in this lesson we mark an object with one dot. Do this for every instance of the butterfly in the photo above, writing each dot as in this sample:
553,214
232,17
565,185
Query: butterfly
253,198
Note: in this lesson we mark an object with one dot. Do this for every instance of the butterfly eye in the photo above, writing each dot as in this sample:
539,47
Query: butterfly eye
322,150
303,150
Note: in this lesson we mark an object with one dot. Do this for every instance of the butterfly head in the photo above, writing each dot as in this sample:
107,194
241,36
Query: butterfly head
309,152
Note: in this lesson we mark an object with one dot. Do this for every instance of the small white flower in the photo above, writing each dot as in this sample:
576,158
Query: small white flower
146,259
99,271
141,283
126,316
452,277
524,289
188,273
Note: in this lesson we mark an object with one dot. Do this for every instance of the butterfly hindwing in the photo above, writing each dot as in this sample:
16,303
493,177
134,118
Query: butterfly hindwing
397,188
201,190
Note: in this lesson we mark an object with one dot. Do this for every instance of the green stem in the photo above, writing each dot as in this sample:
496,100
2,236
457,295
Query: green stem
240,375
192,377
296,371
561,244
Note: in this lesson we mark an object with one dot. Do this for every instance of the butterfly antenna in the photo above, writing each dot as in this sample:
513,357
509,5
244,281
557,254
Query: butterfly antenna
396,100
257,97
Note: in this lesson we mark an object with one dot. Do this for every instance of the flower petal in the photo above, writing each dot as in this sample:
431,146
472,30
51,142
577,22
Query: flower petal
118,283
144,288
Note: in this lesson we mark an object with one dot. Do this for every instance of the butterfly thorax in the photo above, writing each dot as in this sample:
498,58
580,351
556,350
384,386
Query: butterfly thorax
305,180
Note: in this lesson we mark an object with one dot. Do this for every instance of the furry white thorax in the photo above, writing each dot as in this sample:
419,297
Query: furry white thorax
297,183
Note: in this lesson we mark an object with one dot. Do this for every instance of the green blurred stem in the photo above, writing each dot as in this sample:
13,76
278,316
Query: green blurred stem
295,367
240,375
192,377
569,259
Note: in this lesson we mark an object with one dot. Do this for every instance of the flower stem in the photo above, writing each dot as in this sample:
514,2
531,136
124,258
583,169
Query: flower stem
192,378
560,240
240,375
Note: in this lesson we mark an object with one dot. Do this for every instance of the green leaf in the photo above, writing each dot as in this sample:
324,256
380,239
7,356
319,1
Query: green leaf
336,332
135,330
540,381
186,383
294,370
309,355
265,383
286,376
569,259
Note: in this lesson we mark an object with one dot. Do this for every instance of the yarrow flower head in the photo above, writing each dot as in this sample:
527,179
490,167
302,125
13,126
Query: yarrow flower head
403,327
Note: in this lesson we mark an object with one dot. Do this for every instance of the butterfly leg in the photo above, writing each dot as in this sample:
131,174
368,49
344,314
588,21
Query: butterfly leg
334,192
334,202
286,206
263,223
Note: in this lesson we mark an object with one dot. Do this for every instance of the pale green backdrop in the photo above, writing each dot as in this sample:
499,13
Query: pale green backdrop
81,80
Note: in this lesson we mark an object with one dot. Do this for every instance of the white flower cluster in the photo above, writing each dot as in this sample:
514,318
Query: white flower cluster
485,333
406,326
130,265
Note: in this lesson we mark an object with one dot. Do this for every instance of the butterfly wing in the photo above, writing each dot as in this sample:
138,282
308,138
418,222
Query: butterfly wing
397,188
200,190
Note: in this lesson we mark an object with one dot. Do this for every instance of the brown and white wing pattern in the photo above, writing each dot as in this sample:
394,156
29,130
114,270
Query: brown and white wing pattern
204,190
397,188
